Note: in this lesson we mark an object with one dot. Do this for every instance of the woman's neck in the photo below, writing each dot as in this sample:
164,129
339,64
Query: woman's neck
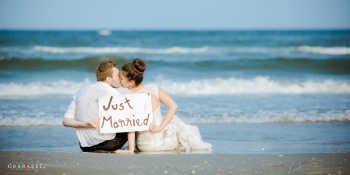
136,88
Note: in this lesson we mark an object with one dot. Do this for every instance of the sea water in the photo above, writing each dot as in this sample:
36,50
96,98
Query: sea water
247,91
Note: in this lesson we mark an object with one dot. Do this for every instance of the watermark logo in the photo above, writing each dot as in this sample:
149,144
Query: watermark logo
26,166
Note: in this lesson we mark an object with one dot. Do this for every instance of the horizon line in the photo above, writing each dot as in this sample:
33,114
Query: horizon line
170,29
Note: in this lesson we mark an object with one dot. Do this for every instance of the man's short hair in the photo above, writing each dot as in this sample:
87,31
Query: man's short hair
104,70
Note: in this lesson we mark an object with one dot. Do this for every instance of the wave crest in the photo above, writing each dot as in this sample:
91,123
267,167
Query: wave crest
273,117
213,50
258,118
120,50
61,87
258,85
219,86
325,50
30,121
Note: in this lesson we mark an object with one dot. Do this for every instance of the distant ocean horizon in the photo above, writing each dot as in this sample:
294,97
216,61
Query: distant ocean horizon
220,79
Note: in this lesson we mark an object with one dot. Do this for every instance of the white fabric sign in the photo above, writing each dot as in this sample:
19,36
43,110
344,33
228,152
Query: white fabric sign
124,113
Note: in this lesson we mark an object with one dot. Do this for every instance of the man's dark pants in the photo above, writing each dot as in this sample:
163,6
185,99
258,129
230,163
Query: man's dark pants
109,145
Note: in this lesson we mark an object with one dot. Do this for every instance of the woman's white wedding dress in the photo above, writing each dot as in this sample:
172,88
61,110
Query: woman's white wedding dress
177,135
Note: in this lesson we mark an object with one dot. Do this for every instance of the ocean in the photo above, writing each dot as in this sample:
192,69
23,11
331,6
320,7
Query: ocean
274,92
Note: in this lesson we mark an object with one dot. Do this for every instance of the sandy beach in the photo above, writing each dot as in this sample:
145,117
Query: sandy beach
13,162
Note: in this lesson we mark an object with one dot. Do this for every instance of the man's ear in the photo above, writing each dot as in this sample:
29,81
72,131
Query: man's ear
108,80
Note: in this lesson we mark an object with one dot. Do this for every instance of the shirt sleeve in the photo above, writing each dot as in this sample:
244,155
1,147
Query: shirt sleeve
70,113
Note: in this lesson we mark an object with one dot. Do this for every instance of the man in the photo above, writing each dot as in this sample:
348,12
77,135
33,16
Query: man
82,112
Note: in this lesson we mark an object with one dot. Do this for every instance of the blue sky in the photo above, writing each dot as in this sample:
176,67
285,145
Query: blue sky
174,15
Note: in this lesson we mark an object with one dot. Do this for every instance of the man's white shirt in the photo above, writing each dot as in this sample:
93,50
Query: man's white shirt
84,107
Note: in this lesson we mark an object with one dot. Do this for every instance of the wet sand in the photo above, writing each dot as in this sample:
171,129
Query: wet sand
13,162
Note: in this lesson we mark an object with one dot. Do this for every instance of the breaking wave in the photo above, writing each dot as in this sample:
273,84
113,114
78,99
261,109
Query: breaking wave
258,85
121,50
218,86
258,118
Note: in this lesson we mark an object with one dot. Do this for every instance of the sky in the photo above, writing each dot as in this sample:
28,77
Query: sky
174,15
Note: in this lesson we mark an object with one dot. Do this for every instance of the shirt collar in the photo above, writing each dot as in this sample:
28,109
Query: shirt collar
108,87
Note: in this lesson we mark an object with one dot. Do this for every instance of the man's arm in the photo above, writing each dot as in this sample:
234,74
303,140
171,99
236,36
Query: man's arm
69,121
79,124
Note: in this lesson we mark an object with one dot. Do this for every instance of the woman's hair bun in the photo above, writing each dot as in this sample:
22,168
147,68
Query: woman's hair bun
139,65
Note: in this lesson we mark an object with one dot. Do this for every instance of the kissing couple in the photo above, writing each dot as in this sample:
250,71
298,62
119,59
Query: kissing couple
166,133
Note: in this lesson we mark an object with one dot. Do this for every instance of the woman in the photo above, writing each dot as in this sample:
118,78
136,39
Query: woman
165,134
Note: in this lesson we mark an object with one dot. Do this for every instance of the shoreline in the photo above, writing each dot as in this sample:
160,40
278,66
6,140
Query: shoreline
33,162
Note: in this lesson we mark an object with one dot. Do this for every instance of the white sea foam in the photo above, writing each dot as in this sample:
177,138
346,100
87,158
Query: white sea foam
324,50
218,86
61,87
31,121
272,117
258,85
285,50
109,50
321,50
104,32
257,118
244,49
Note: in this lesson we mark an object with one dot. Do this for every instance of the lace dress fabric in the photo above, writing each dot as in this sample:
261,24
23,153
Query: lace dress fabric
177,135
